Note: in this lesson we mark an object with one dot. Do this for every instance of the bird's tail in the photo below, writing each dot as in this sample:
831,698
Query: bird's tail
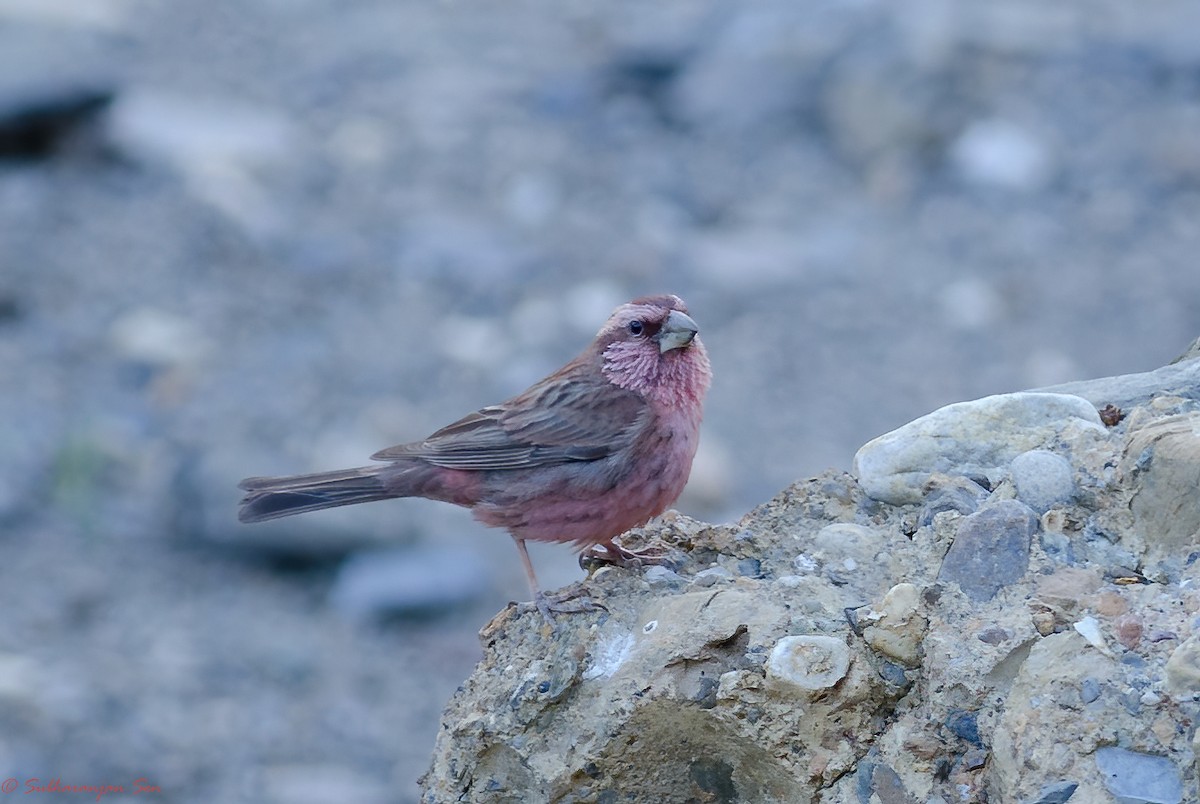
273,497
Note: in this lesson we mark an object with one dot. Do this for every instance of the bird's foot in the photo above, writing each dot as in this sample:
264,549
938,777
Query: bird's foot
613,554
570,601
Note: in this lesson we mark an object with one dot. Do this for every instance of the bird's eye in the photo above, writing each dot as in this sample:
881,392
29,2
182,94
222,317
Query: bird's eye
636,328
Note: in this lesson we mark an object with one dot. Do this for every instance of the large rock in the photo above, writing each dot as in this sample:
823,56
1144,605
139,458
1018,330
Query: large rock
836,648
979,438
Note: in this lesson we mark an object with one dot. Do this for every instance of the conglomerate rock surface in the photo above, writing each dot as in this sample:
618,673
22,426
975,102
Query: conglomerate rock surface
1018,624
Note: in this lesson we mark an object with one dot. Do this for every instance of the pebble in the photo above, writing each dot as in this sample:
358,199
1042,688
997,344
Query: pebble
990,549
1000,153
750,568
950,493
965,726
1043,479
711,576
1137,778
893,626
1089,690
1057,793
808,662
1183,668
37,120
980,437
656,575
1089,629
994,635
418,580
1129,631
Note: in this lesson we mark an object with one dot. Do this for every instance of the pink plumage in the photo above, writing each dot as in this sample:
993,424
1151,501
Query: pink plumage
599,447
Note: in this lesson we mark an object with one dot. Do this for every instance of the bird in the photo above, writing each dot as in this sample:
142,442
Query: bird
600,446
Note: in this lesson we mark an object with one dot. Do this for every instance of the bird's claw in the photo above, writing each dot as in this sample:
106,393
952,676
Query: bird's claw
613,554
572,601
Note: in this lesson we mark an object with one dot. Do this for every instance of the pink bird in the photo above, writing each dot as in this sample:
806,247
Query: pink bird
598,447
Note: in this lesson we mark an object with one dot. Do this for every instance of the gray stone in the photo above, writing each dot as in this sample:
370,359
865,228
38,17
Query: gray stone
1043,479
951,493
1089,690
712,575
1003,154
990,549
408,581
1057,793
1129,390
967,438
657,575
1137,778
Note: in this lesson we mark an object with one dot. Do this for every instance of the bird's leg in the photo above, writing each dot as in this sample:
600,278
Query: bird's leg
570,603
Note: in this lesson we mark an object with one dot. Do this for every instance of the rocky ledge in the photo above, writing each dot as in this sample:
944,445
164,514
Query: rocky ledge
999,605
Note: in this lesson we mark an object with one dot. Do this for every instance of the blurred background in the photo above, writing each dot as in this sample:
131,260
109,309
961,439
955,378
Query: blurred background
265,237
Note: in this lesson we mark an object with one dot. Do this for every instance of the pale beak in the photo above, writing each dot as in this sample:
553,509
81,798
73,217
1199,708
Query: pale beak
677,332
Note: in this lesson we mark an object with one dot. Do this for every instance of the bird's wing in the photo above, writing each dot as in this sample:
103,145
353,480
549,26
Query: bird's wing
569,416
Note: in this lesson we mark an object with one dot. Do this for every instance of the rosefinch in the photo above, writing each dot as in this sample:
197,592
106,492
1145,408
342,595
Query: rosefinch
598,447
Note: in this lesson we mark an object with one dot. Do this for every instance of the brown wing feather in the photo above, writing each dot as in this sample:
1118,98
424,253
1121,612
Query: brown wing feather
572,415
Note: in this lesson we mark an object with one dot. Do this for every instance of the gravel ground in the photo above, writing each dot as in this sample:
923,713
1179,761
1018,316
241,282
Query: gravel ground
304,231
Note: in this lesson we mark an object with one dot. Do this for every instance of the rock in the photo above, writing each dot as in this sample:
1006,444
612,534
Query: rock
1183,668
967,438
659,575
1089,629
1000,153
1016,690
950,493
37,121
990,550
808,663
1133,390
1137,778
894,628
710,576
1057,793
1162,459
408,581
1043,479
157,338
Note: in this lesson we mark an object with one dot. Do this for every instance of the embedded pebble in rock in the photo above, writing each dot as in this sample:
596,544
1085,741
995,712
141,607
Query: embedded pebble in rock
994,635
658,576
990,549
1089,629
1183,668
1043,479
894,628
1137,778
950,493
967,438
808,662
711,576
1129,631
1163,457
1089,690
749,567
1058,793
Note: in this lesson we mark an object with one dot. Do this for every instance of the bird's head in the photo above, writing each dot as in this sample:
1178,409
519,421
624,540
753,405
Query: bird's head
651,345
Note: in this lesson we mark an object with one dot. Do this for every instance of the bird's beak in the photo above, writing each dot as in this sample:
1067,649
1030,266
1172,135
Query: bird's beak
677,332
